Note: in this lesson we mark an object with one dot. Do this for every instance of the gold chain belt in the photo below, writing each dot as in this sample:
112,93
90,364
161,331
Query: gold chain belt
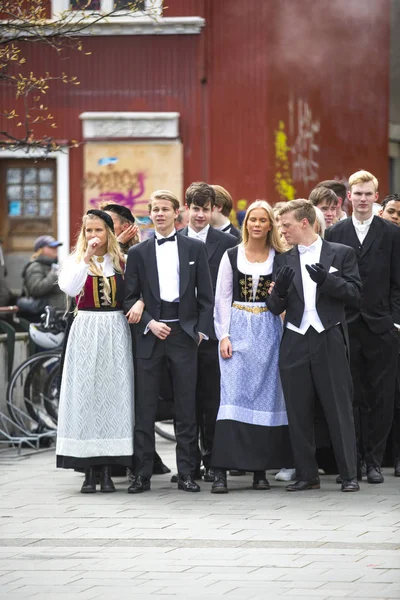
256,310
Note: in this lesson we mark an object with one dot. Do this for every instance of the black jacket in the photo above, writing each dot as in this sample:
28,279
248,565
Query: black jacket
196,299
379,265
217,242
341,287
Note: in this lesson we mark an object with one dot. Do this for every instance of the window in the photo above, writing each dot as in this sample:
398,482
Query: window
30,191
145,6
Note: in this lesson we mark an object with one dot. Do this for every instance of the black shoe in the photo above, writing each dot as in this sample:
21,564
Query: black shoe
208,475
236,473
339,479
397,467
174,478
260,482
374,475
219,485
140,484
301,486
187,484
350,485
89,485
106,483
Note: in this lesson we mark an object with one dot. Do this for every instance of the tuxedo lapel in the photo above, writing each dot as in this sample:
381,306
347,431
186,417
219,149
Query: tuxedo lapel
211,243
183,265
374,235
326,259
151,267
293,260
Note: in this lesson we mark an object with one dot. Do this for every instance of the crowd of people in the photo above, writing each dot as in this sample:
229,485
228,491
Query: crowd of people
258,330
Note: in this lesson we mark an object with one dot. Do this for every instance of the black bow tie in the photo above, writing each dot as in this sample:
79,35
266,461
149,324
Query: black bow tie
167,239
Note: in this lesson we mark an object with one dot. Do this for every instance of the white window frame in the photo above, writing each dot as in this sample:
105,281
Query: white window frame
152,7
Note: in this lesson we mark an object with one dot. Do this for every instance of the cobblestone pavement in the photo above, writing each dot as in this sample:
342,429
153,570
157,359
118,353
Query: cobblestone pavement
59,544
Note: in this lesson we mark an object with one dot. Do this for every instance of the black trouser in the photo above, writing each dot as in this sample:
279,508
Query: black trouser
316,365
207,395
180,352
374,359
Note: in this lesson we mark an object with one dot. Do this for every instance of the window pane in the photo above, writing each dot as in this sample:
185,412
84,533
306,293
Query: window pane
14,176
121,4
46,192
45,175
30,175
85,4
46,209
30,209
15,208
30,192
14,192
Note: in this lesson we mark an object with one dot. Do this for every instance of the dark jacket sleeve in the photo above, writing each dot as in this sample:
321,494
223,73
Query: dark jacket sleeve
275,303
395,278
133,290
346,287
38,282
205,294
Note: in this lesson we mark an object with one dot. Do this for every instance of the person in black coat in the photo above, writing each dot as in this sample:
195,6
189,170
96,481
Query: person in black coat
374,342
313,282
221,211
170,274
200,201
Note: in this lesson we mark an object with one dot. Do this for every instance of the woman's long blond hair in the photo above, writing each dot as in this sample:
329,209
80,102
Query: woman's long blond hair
113,249
273,237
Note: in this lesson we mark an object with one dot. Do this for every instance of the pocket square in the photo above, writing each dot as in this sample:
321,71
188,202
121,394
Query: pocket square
332,270
191,262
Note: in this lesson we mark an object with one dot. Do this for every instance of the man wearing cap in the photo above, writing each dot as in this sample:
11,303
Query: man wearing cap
41,273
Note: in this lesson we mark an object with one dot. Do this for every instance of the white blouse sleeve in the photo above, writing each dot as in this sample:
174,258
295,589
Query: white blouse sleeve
72,276
223,298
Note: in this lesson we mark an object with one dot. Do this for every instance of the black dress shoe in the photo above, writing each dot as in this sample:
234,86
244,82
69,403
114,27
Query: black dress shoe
174,478
236,473
260,482
140,484
301,486
350,485
106,483
374,475
219,485
208,475
397,467
187,484
89,485
339,479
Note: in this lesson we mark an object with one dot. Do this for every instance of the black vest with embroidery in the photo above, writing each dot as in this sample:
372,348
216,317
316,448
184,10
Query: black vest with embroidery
243,284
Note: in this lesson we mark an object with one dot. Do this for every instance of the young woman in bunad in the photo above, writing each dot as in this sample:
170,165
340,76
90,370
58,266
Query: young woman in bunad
252,431
96,410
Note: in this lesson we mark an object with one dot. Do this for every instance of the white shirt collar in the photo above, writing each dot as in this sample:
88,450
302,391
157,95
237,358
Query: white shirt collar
358,223
201,235
160,237
224,226
314,247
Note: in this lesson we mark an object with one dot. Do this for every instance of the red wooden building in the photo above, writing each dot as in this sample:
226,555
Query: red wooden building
265,97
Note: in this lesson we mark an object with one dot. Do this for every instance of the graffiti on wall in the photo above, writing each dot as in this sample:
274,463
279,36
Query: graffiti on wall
123,187
296,150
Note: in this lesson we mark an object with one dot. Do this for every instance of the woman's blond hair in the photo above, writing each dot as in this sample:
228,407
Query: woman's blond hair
113,249
273,238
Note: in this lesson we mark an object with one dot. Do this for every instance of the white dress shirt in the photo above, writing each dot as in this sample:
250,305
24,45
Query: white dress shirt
73,274
226,225
309,255
199,235
168,268
361,228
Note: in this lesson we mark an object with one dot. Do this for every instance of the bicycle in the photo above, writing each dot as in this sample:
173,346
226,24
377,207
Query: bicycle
32,391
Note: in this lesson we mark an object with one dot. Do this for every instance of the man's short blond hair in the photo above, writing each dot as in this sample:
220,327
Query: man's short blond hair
223,199
363,177
164,195
301,209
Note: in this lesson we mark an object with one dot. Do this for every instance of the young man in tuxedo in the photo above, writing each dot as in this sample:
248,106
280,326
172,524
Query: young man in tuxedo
200,202
170,274
326,200
341,193
221,211
313,282
374,342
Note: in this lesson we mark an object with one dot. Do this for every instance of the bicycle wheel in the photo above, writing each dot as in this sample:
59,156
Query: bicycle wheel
165,429
51,392
25,396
